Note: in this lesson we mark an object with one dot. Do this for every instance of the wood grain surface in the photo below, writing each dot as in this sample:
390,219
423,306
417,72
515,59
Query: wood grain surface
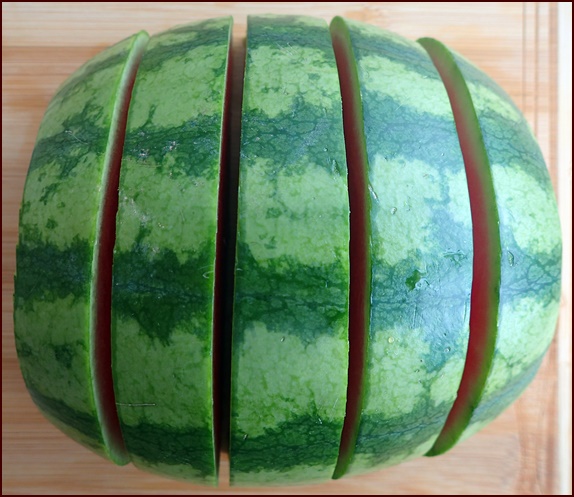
527,450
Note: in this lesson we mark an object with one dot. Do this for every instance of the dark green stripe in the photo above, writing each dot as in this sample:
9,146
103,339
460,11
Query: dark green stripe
381,43
162,444
394,130
287,31
493,405
284,295
280,139
301,441
159,54
48,273
190,149
66,148
79,81
434,306
508,142
382,440
80,421
159,292
528,274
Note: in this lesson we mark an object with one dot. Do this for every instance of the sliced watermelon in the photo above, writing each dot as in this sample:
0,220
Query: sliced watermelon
290,340
513,324
59,281
354,289
165,253
420,244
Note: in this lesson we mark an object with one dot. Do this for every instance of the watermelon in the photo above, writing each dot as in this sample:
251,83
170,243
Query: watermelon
60,335
290,316
165,253
372,276
419,242
524,258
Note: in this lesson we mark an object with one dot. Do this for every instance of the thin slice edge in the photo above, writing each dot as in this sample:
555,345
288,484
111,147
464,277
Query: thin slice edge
487,249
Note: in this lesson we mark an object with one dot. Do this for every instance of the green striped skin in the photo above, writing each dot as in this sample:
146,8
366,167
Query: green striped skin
54,298
530,250
290,343
421,250
164,258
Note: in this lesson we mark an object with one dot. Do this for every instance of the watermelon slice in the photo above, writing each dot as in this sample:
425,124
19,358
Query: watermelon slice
165,253
516,299
64,246
419,235
290,320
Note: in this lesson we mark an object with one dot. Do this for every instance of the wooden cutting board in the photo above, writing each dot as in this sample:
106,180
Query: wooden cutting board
525,47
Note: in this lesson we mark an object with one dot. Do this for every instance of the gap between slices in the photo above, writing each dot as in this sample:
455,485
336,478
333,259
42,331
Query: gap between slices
103,257
486,241
225,246
359,245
